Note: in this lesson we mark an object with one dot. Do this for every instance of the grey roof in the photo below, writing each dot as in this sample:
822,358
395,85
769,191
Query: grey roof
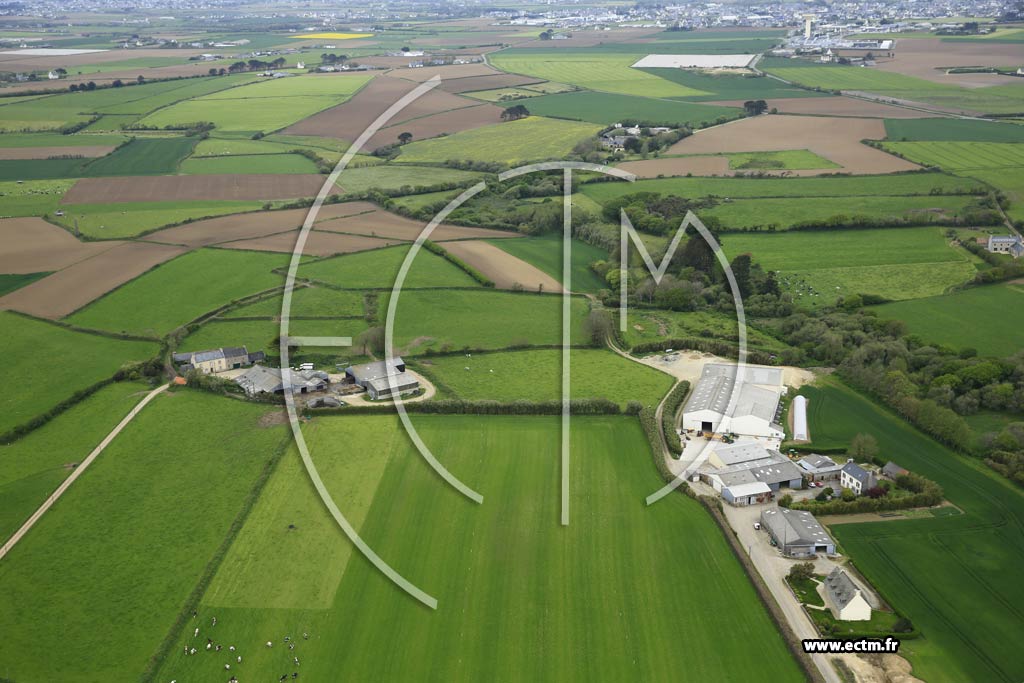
859,473
375,370
402,382
234,351
840,587
182,357
207,356
795,527
815,462
263,380
776,472
758,394
740,453
893,470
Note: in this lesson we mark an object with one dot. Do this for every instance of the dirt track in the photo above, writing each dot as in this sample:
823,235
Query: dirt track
505,269
31,245
58,295
192,188
836,139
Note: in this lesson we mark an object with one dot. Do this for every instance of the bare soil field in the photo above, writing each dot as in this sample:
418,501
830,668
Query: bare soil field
454,121
380,223
505,269
242,226
928,58
87,151
25,62
836,139
192,188
836,106
425,73
652,168
151,73
68,290
474,83
318,243
31,245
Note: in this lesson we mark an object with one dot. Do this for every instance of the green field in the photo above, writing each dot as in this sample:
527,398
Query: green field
134,218
11,282
249,163
839,186
608,72
378,269
896,263
783,213
531,139
536,375
945,130
961,156
36,464
500,571
306,302
57,140
792,159
989,319
264,335
141,156
181,290
726,86
952,575
390,177
450,320
32,197
645,325
131,540
609,108
546,254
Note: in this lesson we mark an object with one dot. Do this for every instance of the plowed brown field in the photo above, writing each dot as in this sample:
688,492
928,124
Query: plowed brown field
192,188
31,245
505,269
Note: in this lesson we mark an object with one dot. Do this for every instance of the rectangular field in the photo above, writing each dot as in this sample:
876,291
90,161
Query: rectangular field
962,156
514,572
945,130
644,325
379,269
193,188
608,108
546,254
121,220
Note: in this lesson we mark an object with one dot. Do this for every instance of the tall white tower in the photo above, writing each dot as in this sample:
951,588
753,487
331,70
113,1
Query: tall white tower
808,25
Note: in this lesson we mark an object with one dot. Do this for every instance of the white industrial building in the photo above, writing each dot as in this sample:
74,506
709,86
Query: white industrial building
756,408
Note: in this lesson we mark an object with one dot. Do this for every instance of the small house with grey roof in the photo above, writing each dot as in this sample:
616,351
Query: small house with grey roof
845,598
856,478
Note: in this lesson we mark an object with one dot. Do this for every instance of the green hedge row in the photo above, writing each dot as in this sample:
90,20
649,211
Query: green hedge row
671,406
459,263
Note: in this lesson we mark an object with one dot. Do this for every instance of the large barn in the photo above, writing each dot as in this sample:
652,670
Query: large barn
383,378
757,401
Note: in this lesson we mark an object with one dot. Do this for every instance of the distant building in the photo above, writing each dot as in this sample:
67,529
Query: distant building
819,467
845,598
856,478
217,360
263,380
756,407
53,76
892,470
1006,244
796,532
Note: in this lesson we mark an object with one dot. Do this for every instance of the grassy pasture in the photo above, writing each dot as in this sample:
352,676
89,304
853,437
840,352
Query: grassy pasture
838,186
378,269
43,385
608,108
792,159
514,573
989,319
948,574
157,488
181,290
306,301
946,130
644,326
535,375
726,86
745,213
608,72
312,85
395,177
58,140
546,254
32,197
249,163
131,219
897,263
270,144
961,156
442,320
141,156
264,335
36,464
530,139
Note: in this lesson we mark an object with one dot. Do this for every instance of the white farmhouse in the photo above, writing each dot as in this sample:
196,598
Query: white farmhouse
844,598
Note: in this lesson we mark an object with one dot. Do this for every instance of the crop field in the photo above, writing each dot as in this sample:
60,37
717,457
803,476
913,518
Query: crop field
896,263
863,186
989,319
396,177
193,188
32,467
240,115
450,320
595,71
948,573
792,159
783,213
96,531
443,123
44,386
313,85
12,281
608,108
644,326
119,220
946,130
22,140
519,141
306,302
323,590
962,156
249,163
32,246
546,254
535,375
378,269
710,86
502,268
182,290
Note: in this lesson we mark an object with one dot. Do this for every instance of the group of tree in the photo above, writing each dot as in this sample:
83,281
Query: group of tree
514,113
755,107
256,65
329,59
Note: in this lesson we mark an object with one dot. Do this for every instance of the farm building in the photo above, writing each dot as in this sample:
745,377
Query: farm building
747,494
819,467
796,532
383,378
856,478
217,360
756,407
737,454
845,598
1006,244
262,380
799,408
892,470
750,463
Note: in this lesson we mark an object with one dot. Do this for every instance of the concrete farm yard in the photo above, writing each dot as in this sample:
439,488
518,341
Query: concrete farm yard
865,189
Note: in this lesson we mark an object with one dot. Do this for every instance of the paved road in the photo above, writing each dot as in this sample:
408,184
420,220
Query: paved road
66,484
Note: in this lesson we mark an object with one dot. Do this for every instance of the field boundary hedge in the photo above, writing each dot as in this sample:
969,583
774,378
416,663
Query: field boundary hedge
435,248
669,410
587,406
